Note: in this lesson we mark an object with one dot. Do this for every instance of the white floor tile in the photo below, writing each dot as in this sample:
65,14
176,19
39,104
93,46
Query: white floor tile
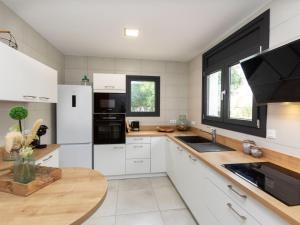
153,218
113,185
134,184
136,201
178,217
107,220
109,206
168,198
158,182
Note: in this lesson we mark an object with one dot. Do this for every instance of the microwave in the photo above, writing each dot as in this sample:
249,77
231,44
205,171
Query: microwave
109,103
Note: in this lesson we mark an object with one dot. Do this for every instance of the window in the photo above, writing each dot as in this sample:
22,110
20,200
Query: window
143,95
214,94
240,95
228,101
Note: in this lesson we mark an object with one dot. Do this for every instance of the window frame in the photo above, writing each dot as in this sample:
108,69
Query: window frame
156,80
257,126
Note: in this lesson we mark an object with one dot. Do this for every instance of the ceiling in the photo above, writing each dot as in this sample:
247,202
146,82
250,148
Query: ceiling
169,29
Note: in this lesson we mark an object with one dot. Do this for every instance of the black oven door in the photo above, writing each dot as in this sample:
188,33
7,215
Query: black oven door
109,102
109,129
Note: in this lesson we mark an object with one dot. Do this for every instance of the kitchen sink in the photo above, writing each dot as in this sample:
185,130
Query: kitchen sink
192,139
201,144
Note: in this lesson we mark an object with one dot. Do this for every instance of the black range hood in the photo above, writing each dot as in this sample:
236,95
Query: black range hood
274,75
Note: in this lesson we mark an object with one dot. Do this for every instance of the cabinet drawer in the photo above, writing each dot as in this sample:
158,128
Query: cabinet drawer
135,166
138,140
50,160
223,208
136,151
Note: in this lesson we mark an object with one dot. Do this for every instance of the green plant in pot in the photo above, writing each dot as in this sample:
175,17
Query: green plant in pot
18,113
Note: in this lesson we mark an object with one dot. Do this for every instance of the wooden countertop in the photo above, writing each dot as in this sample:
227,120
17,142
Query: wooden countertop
215,160
38,154
70,200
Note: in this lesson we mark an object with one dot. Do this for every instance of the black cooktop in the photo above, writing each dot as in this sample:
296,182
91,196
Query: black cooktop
277,181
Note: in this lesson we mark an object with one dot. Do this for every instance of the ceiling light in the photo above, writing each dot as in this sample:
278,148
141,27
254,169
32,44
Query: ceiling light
131,32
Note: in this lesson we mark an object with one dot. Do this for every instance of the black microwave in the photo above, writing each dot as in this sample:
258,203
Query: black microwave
109,103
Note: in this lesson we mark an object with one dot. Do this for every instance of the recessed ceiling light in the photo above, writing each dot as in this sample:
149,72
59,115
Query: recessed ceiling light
131,32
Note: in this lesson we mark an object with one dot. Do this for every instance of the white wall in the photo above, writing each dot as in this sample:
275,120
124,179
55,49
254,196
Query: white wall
173,75
283,117
34,45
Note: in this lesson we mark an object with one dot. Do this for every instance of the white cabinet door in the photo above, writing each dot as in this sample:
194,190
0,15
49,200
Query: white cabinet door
75,156
171,148
194,192
158,154
109,83
24,78
50,160
137,151
138,140
224,209
110,159
137,166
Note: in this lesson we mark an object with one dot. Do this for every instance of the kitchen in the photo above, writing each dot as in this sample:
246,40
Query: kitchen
153,177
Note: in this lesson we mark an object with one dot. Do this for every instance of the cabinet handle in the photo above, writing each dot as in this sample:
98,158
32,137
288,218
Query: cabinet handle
179,149
138,161
236,212
192,158
109,86
29,96
44,98
44,160
236,192
138,146
138,139
118,147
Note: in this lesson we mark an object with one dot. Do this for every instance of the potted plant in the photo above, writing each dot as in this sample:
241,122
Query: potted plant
19,113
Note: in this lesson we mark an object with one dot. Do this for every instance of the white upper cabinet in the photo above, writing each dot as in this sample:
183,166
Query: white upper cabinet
109,83
24,78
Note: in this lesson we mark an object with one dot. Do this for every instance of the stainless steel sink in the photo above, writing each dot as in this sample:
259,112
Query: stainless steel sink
209,147
202,144
192,139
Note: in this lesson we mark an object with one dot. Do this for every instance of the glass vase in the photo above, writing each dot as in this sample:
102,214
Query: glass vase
24,170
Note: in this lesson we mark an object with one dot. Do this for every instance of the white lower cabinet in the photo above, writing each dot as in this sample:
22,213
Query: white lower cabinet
136,166
211,197
226,210
110,159
50,160
158,154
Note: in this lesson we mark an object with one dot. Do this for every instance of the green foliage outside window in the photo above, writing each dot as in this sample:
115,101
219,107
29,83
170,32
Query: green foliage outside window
143,96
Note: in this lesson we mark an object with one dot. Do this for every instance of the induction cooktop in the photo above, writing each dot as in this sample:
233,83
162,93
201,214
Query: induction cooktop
281,183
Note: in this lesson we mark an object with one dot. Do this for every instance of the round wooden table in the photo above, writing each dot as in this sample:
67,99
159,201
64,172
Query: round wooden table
70,200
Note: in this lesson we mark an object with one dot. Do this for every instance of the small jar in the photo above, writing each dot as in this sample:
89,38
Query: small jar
182,124
247,144
24,170
9,156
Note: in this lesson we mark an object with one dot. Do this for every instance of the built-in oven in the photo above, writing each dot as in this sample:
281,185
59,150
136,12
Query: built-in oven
109,102
109,128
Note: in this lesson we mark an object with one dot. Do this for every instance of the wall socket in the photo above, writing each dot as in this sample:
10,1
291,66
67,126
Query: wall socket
271,133
172,121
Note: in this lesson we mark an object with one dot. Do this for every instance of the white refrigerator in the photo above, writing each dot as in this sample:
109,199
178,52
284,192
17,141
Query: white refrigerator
74,125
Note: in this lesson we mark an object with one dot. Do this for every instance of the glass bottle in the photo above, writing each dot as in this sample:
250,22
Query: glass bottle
24,169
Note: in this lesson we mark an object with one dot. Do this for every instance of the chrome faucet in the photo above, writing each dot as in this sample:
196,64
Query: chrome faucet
213,135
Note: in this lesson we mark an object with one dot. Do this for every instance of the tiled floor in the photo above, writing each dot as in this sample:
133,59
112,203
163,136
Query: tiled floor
143,201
